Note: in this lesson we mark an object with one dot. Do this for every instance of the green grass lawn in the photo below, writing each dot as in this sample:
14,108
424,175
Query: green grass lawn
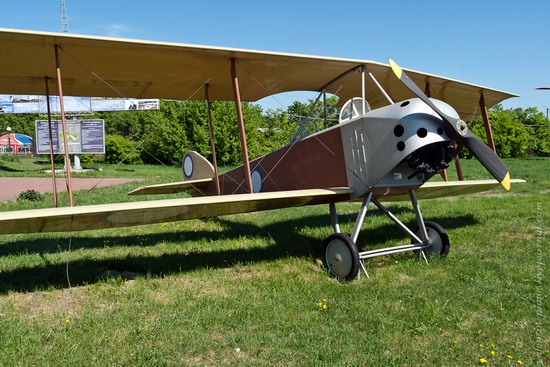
249,290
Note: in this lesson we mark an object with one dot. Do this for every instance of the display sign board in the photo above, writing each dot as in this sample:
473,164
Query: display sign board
37,104
83,137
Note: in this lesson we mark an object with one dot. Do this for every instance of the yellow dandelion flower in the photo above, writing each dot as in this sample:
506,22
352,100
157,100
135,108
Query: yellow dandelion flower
519,361
482,360
324,307
509,356
67,321
492,345
320,304
493,353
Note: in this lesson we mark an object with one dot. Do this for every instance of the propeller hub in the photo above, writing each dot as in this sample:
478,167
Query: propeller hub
461,127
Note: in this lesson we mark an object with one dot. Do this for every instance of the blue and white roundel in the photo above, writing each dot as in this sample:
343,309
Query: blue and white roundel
256,181
188,166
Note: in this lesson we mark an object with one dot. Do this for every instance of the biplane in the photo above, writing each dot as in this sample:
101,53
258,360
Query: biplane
390,140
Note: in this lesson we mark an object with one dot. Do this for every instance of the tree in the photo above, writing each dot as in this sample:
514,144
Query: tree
512,132
166,134
309,118
539,129
119,149
125,123
19,123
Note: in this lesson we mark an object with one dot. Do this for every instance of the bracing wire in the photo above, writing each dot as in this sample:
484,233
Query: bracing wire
149,134
293,141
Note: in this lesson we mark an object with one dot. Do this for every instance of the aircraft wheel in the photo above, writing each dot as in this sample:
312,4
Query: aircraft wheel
437,238
341,256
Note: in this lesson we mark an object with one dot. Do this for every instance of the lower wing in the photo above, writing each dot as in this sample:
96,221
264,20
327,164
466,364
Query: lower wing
433,190
147,212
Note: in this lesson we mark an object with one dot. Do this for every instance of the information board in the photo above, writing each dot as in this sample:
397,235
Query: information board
83,137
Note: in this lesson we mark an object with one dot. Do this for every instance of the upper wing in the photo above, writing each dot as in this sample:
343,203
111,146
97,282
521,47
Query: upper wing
433,190
146,69
146,212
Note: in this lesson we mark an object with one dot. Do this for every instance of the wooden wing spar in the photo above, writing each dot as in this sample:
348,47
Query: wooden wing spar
115,67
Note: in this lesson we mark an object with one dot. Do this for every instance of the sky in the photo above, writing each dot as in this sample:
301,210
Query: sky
500,44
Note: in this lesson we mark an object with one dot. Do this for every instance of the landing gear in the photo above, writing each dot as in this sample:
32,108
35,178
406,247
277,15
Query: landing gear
341,256
343,260
437,239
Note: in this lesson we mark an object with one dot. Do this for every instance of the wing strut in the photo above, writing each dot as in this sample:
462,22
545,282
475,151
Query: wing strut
237,94
49,109
64,125
486,123
212,143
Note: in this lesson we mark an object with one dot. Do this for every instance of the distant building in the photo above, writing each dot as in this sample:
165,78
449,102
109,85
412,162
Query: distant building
20,144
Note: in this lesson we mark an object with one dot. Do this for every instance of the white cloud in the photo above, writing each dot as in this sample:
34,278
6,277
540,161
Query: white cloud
117,29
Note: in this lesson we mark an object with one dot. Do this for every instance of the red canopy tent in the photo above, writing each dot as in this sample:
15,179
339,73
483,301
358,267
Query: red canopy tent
17,144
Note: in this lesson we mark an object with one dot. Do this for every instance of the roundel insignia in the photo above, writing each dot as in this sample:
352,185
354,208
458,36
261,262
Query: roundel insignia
461,127
256,181
188,166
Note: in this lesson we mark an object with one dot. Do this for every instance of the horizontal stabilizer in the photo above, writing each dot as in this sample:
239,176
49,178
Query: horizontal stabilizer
82,218
196,167
173,187
433,190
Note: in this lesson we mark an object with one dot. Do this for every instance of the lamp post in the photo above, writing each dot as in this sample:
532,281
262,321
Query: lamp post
9,139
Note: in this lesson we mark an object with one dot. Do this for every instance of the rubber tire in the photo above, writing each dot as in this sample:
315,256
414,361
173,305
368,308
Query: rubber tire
339,245
442,243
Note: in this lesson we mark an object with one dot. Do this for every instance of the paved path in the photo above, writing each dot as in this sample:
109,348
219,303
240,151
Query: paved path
11,187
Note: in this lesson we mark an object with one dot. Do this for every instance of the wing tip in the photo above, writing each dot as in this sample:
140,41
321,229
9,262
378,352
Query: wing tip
396,68
506,182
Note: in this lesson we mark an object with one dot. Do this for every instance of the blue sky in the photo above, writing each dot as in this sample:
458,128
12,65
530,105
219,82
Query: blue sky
499,44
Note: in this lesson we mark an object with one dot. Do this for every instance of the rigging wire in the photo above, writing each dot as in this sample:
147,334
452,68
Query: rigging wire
148,136
294,141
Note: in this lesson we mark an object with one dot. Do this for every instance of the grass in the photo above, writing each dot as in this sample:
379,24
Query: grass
245,290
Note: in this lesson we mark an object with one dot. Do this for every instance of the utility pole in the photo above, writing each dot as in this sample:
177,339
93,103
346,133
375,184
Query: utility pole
64,19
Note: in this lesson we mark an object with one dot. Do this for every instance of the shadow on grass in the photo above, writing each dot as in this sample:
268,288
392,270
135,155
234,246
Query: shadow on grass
9,169
288,242
233,229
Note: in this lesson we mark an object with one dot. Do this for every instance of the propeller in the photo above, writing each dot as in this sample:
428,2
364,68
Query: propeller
458,131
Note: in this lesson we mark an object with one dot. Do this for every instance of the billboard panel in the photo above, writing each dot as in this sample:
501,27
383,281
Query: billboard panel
83,137
37,104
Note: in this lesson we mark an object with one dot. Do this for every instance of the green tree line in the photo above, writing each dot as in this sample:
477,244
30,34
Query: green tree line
164,135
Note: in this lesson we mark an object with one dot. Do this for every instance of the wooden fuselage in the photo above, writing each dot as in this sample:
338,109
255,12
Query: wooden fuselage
365,154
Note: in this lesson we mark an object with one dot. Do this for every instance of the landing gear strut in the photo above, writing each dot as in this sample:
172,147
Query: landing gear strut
343,259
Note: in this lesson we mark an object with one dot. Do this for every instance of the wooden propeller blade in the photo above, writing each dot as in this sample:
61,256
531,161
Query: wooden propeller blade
458,131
